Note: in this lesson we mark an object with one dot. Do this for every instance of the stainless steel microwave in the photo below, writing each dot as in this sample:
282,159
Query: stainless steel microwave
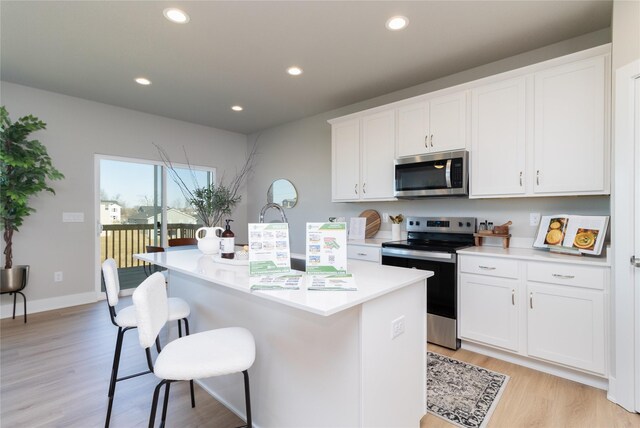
436,174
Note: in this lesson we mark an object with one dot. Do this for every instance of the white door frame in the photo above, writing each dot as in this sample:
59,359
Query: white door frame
624,383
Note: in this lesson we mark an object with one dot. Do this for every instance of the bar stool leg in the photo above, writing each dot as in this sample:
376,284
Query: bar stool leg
247,397
193,398
114,374
154,404
165,404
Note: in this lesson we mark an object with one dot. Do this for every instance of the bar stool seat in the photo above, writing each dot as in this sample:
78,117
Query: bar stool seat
210,353
178,310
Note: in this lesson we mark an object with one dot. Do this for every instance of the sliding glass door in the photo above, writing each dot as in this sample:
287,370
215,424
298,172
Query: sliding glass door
138,206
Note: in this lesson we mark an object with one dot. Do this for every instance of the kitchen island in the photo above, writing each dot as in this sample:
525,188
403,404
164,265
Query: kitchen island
323,358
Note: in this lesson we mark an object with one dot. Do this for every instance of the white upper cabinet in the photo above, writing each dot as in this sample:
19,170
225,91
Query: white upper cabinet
378,155
570,147
433,125
346,160
498,139
363,151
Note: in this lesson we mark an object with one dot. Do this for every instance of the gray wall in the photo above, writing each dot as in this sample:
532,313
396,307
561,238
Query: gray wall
77,130
301,152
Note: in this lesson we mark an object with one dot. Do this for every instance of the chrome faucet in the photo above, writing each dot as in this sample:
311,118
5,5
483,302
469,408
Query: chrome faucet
277,207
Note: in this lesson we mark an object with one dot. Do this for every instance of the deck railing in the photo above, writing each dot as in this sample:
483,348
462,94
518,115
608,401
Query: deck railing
122,241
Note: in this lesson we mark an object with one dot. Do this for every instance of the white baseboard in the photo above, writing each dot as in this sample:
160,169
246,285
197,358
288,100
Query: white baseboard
566,373
42,305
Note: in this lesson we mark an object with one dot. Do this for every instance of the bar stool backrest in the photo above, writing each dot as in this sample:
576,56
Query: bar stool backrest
111,281
152,308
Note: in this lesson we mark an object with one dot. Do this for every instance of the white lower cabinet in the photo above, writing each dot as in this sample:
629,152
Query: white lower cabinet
489,310
558,308
566,325
367,253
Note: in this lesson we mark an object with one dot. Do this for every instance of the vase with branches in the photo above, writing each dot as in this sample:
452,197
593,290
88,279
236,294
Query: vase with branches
212,202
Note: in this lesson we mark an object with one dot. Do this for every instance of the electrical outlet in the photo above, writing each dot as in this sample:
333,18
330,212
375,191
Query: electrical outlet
385,217
534,219
397,327
57,277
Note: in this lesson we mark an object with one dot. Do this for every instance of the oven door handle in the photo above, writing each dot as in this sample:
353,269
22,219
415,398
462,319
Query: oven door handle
419,255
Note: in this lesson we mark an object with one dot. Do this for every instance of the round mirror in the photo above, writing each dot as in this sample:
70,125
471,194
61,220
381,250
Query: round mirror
283,193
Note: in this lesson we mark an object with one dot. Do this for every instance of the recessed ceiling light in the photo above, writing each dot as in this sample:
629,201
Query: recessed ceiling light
294,71
143,81
237,108
176,15
396,23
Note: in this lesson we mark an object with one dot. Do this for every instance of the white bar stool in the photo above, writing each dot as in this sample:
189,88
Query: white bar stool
210,353
125,320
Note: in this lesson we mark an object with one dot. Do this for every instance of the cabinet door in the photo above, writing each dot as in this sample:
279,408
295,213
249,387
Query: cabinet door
569,128
447,122
488,310
498,149
346,160
566,325
378,154
413,129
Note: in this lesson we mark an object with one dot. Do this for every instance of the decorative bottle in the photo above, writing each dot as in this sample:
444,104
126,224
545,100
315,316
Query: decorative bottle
227,243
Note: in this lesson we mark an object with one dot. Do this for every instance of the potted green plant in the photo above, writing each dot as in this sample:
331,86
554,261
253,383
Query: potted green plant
25,167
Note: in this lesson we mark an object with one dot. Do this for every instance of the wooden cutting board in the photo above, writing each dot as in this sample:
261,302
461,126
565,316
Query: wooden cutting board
373,222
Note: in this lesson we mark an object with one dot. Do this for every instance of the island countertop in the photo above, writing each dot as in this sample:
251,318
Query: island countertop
373,280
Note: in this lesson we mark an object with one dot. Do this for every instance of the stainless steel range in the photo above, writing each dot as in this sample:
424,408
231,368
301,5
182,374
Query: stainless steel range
431,245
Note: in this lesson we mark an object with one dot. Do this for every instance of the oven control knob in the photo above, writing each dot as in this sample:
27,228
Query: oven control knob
411,223
460,224
417,223
468,224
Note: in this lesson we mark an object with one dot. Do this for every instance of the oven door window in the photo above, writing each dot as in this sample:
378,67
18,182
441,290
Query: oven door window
441,287
421,176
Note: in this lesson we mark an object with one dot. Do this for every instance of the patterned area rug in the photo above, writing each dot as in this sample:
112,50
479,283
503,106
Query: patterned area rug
462,393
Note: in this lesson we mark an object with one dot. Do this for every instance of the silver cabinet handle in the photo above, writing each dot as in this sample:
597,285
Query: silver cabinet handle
431,140
635,261
355,188
364,188
520,178
426,141
362,254
557,275
531,300
487,267
513,297
538,177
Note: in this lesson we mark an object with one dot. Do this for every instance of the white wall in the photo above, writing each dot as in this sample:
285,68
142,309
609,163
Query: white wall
77,130
301,152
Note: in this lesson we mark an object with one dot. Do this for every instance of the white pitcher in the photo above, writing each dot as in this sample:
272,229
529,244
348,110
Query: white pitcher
210,242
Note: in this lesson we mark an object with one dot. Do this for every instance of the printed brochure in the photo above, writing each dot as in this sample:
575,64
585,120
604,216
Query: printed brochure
337,282
276,282
326,248
269,248
584,234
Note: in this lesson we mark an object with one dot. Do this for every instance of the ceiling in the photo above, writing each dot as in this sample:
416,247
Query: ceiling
236,52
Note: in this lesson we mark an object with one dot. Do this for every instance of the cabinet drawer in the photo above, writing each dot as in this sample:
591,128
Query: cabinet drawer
504,268
363,252
566,274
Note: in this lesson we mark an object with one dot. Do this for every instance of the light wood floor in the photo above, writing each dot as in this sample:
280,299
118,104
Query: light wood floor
55,373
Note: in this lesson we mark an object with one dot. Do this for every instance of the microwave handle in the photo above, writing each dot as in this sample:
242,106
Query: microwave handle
447,173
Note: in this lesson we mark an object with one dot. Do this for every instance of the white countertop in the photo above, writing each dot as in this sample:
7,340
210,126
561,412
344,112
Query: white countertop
536,255
372,280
